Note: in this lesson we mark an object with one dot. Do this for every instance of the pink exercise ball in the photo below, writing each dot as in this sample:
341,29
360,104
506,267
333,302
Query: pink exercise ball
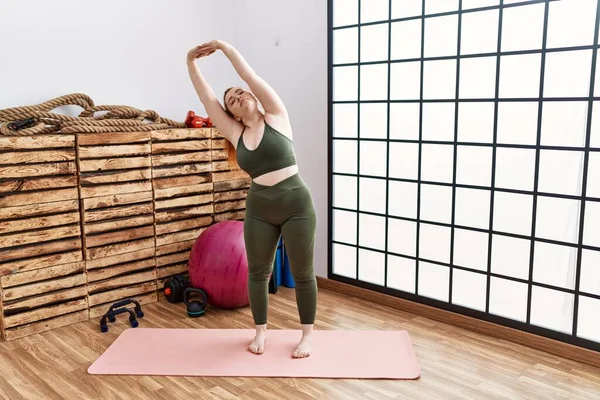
218,264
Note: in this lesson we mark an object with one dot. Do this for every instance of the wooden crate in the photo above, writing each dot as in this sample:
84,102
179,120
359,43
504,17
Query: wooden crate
183,195
35,301
42,275
230,183
118,215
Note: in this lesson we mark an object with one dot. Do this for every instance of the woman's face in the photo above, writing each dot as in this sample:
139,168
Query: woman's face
240,102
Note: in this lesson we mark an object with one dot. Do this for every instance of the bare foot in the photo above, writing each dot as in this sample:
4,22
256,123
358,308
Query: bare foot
258,344
304,347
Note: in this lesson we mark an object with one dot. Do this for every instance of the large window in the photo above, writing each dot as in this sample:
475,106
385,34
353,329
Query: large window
464,158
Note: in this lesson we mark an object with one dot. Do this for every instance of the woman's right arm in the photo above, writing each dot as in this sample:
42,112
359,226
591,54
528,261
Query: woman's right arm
228,127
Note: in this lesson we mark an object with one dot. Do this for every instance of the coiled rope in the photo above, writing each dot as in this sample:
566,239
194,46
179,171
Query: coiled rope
38,119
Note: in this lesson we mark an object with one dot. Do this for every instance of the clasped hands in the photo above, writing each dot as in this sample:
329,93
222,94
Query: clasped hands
205,49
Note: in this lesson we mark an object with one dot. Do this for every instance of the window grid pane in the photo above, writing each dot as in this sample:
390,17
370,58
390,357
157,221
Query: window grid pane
488,141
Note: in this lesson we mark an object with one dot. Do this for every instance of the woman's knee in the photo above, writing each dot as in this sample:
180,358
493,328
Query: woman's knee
304,274
259,272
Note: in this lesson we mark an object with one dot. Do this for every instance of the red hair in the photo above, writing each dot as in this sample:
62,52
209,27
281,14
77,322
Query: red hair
231,154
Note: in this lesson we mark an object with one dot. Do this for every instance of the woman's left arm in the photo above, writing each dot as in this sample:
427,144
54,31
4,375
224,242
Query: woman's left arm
263,91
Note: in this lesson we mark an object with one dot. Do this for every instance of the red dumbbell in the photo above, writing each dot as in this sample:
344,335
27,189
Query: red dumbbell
194,121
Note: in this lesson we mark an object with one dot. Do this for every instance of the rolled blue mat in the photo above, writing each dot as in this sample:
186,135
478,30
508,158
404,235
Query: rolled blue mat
288,279
279,263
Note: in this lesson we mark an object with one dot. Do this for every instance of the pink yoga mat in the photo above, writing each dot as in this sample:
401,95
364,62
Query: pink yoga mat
224,352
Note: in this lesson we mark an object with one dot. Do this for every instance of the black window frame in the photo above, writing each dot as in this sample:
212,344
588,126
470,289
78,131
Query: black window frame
540,100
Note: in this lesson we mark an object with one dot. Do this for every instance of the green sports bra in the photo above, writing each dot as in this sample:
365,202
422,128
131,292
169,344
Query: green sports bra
275,151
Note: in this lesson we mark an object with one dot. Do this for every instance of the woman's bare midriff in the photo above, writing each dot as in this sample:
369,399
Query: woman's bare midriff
274,177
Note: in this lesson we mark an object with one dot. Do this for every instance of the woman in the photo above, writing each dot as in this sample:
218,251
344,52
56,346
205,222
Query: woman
278,201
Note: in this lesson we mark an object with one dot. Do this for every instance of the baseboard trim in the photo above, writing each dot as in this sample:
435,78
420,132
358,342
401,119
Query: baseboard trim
547,345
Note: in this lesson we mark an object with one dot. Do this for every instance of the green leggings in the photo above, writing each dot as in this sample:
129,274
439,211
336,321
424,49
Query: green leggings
287,209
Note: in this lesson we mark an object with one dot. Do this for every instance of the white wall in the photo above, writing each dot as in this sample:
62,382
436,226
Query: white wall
126,52
116,51
297,70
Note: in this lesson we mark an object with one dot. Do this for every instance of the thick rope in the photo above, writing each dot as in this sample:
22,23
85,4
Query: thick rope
38,119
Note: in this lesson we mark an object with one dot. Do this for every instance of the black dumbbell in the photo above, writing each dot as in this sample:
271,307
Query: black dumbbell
174,288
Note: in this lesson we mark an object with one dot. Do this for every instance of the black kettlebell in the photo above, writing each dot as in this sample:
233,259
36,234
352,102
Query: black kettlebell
195,308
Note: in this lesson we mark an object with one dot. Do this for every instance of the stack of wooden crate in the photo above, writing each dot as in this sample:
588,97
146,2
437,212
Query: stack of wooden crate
89,219
230,183
118,217
183,195
42,273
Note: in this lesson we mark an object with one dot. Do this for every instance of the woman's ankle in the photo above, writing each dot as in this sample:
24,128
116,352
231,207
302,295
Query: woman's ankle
307,329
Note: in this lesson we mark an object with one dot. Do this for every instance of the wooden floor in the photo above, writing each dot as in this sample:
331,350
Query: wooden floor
456,364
